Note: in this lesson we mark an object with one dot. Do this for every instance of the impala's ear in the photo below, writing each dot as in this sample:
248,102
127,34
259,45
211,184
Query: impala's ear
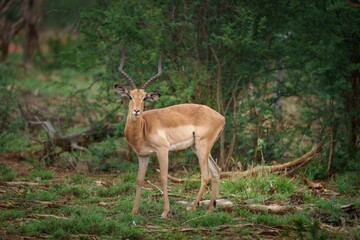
122,91
152,96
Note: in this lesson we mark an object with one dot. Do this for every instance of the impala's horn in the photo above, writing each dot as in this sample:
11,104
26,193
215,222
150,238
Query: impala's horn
123,73
155,76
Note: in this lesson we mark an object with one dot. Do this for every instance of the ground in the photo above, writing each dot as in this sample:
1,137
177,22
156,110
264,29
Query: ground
56,202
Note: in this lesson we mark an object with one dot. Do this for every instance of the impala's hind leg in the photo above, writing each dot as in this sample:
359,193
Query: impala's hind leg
215,178
201,149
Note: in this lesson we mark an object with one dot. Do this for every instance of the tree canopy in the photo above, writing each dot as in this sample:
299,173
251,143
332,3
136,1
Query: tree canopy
245,59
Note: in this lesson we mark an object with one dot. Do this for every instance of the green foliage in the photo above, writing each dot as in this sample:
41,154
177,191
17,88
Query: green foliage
260,187
255,45
6,173
117,189
329,211
10,124
42,174
345,182
42,195
209,219
10,214
75,191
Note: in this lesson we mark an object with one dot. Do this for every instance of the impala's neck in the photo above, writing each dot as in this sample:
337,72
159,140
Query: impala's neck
134,130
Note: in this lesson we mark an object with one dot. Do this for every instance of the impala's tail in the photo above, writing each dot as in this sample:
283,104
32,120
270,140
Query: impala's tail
214,168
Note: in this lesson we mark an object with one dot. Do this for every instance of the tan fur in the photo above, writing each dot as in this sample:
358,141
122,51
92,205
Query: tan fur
170,129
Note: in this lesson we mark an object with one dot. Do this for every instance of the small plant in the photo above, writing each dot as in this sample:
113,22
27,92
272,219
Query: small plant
6,173
10,214
42,174
345,182
261,146
42,196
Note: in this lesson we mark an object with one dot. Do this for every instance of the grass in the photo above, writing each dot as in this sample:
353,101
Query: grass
87,210
260,188
42,174
6,173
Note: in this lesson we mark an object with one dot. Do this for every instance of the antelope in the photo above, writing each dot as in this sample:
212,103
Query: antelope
173,128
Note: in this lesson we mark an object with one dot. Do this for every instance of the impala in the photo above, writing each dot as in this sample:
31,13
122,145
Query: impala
167,129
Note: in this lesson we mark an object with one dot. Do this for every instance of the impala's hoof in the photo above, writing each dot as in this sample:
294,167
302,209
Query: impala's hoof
134,211
165,215
191,208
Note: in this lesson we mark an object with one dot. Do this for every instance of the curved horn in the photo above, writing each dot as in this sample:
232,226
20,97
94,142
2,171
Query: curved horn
122,73
155,76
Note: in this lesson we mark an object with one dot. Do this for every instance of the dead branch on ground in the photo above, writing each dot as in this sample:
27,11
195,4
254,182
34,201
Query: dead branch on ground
287,168
273,208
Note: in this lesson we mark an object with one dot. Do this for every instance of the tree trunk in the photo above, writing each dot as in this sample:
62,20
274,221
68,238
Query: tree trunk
219,109
32,16
353,107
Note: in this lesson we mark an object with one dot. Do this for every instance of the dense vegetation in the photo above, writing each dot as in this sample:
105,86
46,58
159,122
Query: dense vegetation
285,74
247,60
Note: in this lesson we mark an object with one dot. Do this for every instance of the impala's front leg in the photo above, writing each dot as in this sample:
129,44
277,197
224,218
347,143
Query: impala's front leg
143,163
163,158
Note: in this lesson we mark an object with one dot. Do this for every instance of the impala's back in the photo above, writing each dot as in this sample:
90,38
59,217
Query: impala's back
179,125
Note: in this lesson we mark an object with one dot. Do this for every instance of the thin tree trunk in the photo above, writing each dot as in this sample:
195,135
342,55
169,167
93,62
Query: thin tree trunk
219,108
331,150
233,140
353,107
32,15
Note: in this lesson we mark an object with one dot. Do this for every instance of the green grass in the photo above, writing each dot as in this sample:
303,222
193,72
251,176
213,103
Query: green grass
260,188
10,214
42,174
6,173
345,182
88,209
17,142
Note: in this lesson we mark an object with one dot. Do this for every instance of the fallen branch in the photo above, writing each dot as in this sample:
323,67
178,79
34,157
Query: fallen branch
22,184
6,205
46,216
152,228
285,167
223,204
155,186
79,141
273,208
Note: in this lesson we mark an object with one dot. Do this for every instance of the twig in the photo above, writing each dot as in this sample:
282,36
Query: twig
155,186
152,228
192,219
47,216
21,184
170,195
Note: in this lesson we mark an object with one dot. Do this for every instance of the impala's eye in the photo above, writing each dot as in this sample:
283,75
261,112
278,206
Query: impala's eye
130,97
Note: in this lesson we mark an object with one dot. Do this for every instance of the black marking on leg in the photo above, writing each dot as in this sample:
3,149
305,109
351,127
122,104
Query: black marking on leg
214,203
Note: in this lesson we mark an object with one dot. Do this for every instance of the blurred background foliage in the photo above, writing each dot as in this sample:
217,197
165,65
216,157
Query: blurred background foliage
285,74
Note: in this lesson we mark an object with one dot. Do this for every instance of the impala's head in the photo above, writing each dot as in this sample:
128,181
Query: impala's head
137,96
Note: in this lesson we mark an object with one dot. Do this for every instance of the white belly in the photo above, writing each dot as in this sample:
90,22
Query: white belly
182,145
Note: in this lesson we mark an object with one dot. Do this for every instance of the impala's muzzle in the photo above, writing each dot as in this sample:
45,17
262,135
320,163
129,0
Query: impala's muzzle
136,112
